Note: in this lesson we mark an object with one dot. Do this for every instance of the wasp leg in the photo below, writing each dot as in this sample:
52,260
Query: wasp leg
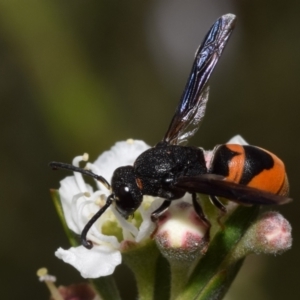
222,209
199,211
157,213
217,203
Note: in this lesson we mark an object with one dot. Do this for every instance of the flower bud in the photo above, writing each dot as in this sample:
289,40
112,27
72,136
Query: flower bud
80,291
181,235
270,234
273,233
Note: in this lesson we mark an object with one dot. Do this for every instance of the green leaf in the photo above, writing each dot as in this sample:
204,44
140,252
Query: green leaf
220,283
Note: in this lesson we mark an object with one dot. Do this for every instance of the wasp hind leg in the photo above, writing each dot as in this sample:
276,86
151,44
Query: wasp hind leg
201,215
199,210
222,209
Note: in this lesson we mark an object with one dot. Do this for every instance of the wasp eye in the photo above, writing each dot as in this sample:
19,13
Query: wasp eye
125,201
124,192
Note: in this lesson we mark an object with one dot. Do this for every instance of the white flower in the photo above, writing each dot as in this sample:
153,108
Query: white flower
80,202
237,139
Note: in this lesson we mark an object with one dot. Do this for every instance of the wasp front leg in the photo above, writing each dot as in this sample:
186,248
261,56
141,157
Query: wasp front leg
158,212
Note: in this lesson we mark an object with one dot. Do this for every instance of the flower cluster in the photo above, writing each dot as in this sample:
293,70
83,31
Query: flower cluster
80,201
180,235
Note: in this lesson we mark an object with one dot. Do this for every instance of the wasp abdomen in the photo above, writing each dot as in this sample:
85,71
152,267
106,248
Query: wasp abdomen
251,166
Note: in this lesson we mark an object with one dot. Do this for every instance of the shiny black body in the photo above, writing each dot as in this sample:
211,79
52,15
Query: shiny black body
157,172
169,169
160,167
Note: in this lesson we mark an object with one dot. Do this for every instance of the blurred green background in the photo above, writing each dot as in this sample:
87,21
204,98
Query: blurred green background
77,76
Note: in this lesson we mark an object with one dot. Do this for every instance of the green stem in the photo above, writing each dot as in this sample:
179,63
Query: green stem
142,262
162,279
179,276
106,288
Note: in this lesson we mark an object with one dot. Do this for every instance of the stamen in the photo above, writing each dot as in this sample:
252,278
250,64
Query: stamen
85,157
49,281
124,224
97,197
78,209
130,141
78,177
77,159
100,201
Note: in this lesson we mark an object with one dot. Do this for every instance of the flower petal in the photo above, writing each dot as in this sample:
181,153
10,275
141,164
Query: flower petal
121,154
96,262
67,191
147,226
237,139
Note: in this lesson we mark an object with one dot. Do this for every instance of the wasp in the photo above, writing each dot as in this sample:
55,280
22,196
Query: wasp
241,173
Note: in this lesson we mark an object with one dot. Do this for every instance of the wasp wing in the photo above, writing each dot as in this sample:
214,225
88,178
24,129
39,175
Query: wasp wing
216,185
191,108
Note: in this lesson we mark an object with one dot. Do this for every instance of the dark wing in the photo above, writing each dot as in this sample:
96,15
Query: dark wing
215,185
191,108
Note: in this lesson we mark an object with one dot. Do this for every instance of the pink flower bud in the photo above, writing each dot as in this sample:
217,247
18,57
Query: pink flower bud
181,234
80,291
271,234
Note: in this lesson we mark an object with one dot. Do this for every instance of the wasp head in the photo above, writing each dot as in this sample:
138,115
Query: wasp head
127,194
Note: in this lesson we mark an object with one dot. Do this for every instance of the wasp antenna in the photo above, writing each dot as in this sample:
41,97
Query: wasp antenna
58,165
88,244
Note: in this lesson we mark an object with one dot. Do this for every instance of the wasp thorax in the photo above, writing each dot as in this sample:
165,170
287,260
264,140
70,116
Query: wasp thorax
128,196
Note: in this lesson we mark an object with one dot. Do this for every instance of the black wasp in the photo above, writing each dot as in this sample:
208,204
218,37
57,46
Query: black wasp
169,170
